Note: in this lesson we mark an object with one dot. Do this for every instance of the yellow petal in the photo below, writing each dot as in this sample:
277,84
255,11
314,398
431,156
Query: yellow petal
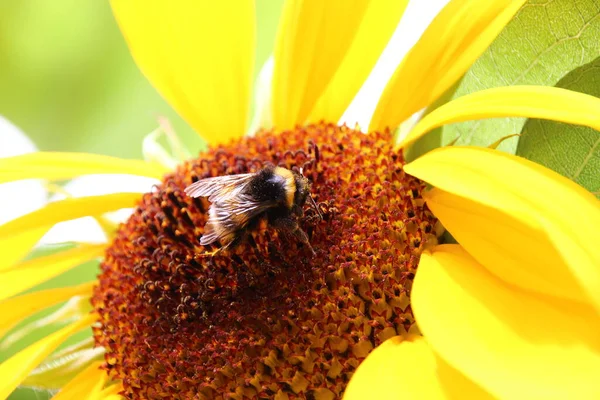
544,102
262,118
504,244
16,368
18,239
199,55
568,214
112,392
512,343
67,209
316,40
87,384
17,308
18,245
60,367
453,41
29,273
409,369
59,166
372,35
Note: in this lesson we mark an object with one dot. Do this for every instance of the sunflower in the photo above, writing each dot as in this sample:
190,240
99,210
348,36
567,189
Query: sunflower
267,319
510,312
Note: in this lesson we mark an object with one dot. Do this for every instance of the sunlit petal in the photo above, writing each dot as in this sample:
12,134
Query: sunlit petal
455,39
29,273
63,365
16,368
199,55
415,19
13,141
60,166
18,245
323,42
504,244
87,229
31,193
87,384
544,102
16,309
372,34
112,391
71,310
67,209
495,333
409,369
263,118
567,213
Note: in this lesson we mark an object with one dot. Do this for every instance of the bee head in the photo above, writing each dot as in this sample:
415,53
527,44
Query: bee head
302,189
303,193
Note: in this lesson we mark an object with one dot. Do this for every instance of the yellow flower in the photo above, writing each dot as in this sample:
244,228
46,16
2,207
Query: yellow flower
199,55
511,312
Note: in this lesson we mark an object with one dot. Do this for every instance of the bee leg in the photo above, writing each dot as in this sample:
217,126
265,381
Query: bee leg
222,248
217,251
301,235
291,226
232,243
239,238
210,253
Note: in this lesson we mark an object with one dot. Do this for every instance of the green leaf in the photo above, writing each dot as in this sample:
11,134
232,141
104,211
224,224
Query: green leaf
544,41
572,151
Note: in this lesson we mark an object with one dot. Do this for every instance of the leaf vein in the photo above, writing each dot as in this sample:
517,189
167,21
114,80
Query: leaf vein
587,159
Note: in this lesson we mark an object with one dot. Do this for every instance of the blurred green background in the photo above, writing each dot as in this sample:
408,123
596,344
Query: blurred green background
68,81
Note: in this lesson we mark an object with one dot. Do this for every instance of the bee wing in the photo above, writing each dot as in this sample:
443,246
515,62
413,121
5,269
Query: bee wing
230,215
218,188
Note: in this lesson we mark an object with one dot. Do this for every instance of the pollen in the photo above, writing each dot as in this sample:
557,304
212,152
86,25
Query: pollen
265,319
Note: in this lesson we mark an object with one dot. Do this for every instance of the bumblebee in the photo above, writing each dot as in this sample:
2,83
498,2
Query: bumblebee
239,202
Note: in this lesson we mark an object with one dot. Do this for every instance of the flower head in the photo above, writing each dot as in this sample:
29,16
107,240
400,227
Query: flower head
265,319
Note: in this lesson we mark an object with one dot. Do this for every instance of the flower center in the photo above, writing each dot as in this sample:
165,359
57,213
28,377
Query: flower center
265,318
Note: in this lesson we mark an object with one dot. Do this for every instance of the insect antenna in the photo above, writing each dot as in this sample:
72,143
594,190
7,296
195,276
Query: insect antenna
312,201
315,206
